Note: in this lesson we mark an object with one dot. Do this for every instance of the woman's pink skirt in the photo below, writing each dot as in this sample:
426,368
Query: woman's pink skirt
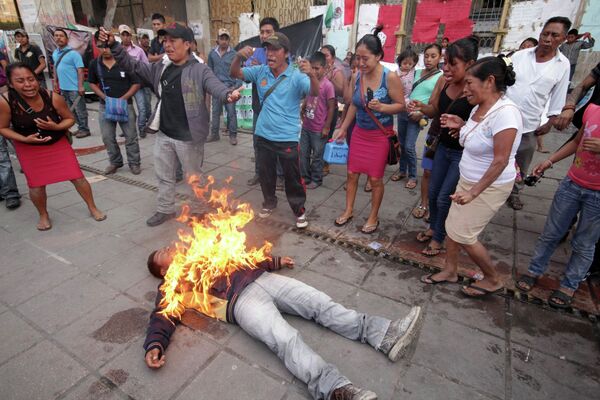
47,164
368,152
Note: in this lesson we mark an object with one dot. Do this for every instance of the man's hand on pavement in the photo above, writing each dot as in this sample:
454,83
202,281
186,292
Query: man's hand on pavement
152,360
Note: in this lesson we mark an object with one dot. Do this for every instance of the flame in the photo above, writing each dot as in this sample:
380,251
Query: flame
214,249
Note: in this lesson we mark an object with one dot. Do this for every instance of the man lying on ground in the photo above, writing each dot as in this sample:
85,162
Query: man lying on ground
255,299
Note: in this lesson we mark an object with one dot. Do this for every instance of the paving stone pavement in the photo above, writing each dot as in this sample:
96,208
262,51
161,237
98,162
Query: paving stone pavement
74,302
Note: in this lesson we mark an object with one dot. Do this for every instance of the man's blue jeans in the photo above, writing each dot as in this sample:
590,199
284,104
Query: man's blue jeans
569,200
8,183
217,107
443,181
142,101
312,145
81,115
408,132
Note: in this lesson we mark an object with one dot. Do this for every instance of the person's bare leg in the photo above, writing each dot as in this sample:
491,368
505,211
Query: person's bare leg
481,257
351,189
85,191
450,270
39,198
425,188
376,198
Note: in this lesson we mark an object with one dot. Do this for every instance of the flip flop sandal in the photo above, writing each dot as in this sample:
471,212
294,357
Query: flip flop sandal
368,188
431,251
526,280
423,237
342,221
411,184
558,295
428,279
481,291
100,219
419,212
369,229
45,228
397,177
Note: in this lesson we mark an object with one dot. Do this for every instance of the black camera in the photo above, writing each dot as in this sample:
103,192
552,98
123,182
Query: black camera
531,180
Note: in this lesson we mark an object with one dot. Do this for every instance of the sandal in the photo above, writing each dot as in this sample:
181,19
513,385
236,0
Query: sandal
480,292
341,221
515,203
428,279
423,237
419,212
527,280
368,187
431,251
398,176
45,227
411,184
369,229
560,296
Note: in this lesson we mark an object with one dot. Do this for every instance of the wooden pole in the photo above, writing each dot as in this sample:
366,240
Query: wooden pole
501,31
354,30
401,33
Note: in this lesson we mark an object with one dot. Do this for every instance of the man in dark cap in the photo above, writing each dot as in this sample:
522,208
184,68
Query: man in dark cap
181,117
281,89
30,54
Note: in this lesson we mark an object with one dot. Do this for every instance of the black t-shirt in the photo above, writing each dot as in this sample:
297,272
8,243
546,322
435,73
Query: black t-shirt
459,107
116,80
156,47
173,119
31,57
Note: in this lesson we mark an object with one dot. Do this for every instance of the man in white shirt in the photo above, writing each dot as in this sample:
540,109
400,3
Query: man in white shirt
542,77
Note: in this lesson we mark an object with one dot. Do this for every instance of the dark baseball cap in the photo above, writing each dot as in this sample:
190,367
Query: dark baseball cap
278,40
176,30
22,32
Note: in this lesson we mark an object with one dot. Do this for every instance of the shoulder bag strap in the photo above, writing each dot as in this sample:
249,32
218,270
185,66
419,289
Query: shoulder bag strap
366,107
424,78
272,88
101,76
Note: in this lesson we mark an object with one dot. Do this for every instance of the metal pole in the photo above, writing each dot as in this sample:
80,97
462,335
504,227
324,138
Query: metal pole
501,31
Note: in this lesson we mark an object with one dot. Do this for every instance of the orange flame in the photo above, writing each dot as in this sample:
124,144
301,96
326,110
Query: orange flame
213,250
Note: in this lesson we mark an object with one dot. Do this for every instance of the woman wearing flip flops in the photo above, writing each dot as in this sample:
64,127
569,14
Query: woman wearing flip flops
490,138
36,121
377,96
578,193
447,98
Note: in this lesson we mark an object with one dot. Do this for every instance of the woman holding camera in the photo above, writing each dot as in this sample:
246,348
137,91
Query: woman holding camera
377,96
490,138
36,121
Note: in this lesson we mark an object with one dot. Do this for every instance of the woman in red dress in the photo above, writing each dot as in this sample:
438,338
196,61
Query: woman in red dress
36,121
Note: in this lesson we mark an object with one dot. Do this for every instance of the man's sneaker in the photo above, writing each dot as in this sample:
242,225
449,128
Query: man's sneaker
213,138
265,213
149,130
82,134
280,185
351,392
13,203
135,169
253,181
159,218
111,169
313,185
301,222
401,333
232,140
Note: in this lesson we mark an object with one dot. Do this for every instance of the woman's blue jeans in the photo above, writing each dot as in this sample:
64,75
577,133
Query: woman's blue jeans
408,132
569,200
442,183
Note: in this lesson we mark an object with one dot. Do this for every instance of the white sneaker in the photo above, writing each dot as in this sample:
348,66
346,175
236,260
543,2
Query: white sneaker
301,222
401,334
265,213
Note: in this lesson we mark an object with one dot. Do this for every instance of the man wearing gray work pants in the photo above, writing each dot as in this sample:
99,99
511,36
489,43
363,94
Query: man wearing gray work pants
255,299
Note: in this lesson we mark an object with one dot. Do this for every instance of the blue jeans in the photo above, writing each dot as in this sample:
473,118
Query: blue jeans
142,101
408,132
80,111
312,145
8,183
258,312
442,183
108,129
569,199
217,107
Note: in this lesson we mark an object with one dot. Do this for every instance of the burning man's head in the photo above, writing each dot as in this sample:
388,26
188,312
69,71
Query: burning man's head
159,261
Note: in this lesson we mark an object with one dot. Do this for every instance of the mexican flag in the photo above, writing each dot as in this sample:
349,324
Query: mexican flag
339,13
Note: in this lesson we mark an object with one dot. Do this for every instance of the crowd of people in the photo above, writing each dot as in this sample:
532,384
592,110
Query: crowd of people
485,118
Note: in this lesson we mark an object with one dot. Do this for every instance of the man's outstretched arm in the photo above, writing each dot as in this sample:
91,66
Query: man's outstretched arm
158,336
